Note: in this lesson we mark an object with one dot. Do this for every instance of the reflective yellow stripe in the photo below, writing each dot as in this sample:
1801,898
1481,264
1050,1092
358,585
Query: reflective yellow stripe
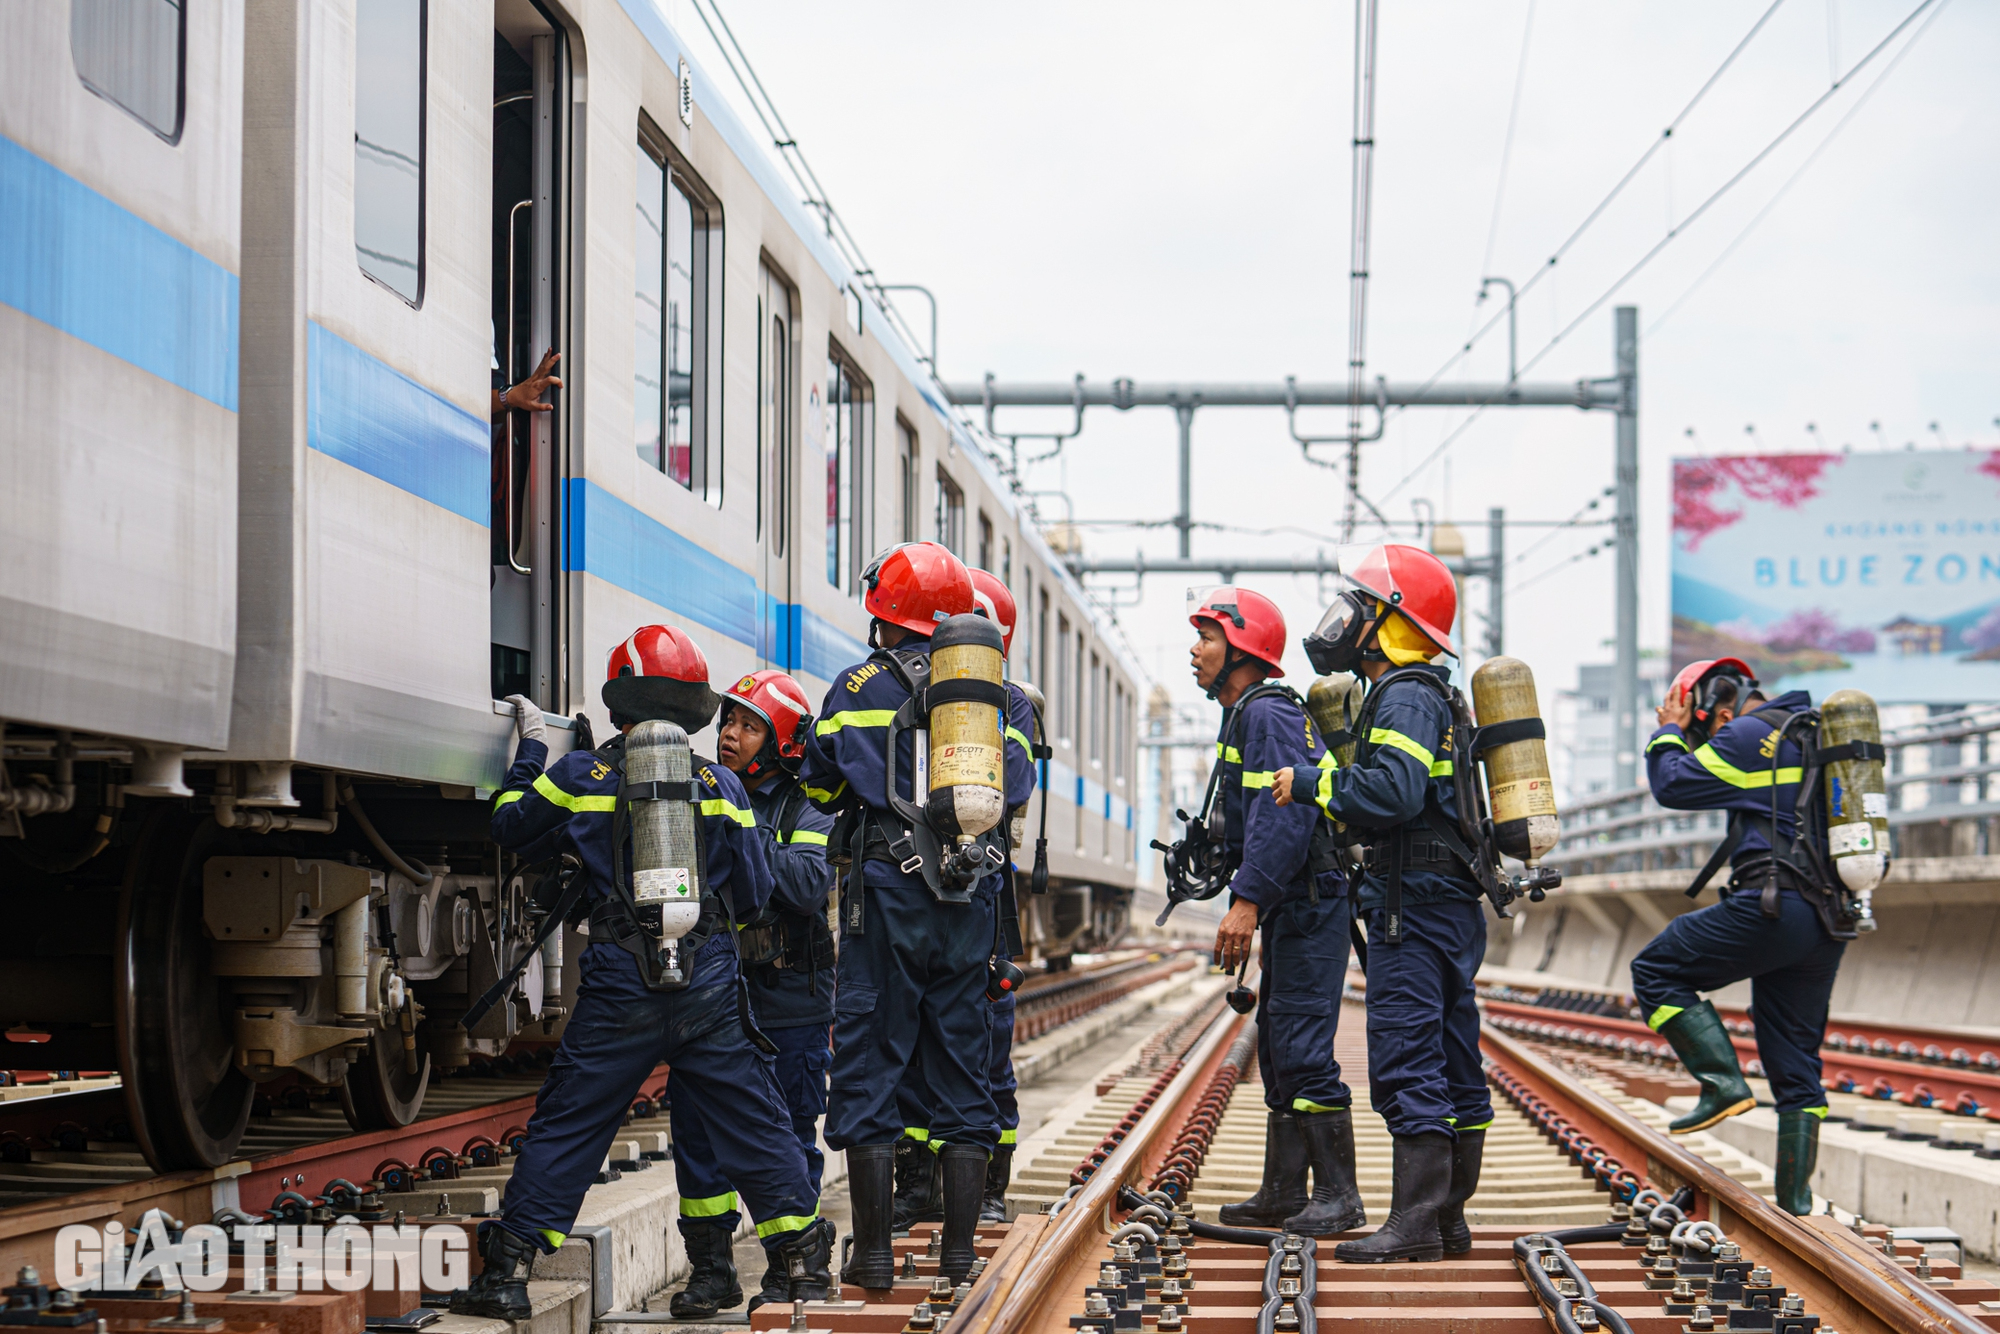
1442,769
1229,753
822,795
1736,777
708,1207
1258,779
1469,1129
917,1133
1820,1112
717,806
1661,1015
833,722
509,797
1015,735
1012,1137
1382,736
569,803
807,836
1666,739
554,1238
1308,1105
1324,795
771,1227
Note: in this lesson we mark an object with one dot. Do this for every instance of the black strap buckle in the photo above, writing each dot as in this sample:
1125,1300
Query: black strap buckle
661,790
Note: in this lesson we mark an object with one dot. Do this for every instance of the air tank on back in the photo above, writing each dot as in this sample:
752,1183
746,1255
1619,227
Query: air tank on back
967,792
666,869
1518,786
1857,801
1334,703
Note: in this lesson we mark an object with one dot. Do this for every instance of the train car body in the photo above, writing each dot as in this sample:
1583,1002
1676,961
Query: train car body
285,559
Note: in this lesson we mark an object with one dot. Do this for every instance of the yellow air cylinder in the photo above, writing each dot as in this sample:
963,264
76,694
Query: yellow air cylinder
1518,786
967,787
1334,703
1857,802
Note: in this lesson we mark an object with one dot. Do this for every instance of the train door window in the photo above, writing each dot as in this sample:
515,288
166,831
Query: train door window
1007,561
1024,629
950,514
133,54
906,481
985,542
1062,699
1096,714
1042,645
676,378
1080,683
389,144
1121,732
848,422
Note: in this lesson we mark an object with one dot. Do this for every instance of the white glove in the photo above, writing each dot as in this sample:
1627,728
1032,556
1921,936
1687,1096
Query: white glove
528,718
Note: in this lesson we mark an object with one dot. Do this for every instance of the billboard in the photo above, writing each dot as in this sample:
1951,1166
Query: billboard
1825,571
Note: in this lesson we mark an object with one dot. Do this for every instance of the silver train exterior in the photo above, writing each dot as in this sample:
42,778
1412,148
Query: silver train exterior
275,561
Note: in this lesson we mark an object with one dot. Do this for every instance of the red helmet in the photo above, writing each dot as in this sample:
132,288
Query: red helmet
1250,621
993,601
1711,684
917,585
781,702
659,673
1409,580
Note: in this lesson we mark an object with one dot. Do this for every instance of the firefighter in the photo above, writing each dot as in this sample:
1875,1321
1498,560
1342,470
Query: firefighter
787,954
1287,889
623,1028
1420,897
1719,747
913,958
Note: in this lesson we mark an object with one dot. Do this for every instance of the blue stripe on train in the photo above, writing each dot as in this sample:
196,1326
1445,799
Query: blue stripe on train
101,274
373,417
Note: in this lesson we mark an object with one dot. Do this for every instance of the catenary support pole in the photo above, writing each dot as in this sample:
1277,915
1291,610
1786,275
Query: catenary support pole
1496,582
1625,703
1184,521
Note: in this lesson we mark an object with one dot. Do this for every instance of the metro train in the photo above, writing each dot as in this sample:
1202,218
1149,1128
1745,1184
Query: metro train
265,266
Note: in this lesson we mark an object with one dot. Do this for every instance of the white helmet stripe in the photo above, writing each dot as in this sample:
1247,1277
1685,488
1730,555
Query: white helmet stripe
632,652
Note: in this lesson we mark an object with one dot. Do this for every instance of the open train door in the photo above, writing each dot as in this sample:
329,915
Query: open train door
777,468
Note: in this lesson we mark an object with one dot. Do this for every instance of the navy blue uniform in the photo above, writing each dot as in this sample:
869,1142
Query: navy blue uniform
1424,1075
912,971
1302,919
620,1030
793,1001
1791,961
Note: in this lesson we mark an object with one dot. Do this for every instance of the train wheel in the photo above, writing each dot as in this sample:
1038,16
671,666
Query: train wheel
380,1092
176,1023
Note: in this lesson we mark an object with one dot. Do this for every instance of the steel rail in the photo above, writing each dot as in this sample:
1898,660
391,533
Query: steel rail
1836,1281
1014,1302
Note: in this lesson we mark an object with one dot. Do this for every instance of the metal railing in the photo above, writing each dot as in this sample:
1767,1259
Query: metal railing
1943,776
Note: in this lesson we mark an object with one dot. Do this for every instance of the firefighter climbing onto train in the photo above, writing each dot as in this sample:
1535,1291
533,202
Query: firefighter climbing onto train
670,861
909,753
1806,843
1286,889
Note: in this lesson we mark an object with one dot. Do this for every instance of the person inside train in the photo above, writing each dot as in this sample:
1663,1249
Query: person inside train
913,966
1287,888
626,1022
526,395
1421,900
918,1189
1773,925
787,954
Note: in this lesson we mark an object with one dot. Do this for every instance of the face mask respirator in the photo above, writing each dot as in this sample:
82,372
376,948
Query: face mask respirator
1335,643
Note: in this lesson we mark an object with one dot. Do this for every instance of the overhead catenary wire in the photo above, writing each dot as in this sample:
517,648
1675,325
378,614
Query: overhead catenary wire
1675,232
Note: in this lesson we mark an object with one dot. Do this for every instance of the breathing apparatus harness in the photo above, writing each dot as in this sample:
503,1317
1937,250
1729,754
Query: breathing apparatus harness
1801,862
1199,864
1457,841
779,938
1003,976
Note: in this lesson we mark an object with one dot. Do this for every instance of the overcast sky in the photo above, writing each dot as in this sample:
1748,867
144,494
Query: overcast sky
1161,190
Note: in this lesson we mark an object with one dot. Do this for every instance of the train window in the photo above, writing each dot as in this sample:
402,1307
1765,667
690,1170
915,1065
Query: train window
1119,731
1096,714
850,435
1062,700
950,514
1080,683
674,396
906,481
776,411
132,53
1007,561
1042,645
986,542
389,144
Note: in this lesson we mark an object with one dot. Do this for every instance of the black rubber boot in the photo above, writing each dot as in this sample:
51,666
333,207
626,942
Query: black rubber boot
500,1290
871,1186
993,1204
1284,1190
800,1266
1798,1154
712,1285
964,1185
1465,1156
1423,1182
1703,1045
1336,1201
916,1184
